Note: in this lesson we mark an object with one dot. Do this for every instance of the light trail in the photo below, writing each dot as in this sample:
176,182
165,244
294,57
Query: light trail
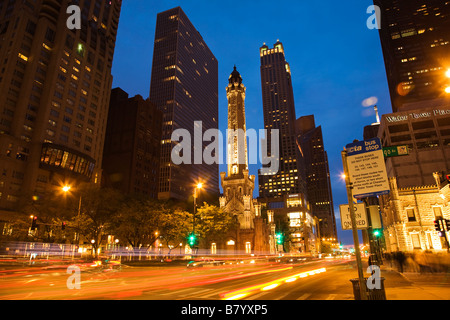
243,292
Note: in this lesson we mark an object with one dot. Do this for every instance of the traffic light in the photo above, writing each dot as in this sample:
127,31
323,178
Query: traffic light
377,233
34,223
447,177
63,226
279,237
192,240
437,225
442,225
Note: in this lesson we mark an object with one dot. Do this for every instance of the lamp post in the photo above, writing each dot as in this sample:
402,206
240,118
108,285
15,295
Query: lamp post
198,187
66,189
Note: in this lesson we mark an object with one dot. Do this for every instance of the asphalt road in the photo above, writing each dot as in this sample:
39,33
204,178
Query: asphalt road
326,279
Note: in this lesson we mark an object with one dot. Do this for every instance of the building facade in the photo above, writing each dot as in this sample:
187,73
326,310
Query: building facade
290,216
279,114
184,86
252,234
55,86
132,145
426,134
409,214
318,184
416,48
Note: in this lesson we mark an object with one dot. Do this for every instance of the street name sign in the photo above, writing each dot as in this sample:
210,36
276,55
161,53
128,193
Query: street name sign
395,151
360,214
366,168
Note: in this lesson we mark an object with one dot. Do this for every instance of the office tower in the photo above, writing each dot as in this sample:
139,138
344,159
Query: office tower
415,40
279,113
132,145
318,185
184,85
55,85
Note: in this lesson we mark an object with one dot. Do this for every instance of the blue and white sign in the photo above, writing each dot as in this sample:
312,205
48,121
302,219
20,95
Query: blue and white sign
366,167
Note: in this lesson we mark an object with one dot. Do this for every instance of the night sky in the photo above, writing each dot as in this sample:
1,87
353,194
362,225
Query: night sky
336,62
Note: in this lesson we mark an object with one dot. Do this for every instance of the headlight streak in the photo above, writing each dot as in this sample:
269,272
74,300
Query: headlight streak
242,293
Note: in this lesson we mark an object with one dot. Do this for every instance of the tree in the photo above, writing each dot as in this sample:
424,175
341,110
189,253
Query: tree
97,211
175,225
49,209
213,223
138,220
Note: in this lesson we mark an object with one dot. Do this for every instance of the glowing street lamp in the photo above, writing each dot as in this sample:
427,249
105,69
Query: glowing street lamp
447,74
198,187
66,188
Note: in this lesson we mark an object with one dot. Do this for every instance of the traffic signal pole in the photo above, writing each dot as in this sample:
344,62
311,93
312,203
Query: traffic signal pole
348,183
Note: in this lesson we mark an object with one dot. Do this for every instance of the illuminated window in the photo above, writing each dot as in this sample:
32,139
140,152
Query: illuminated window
21,56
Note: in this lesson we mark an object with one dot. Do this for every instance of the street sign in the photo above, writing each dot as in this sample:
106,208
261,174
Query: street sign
366,168
360,214
395,151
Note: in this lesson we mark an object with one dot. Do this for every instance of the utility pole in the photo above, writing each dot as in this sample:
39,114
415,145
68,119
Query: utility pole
362,284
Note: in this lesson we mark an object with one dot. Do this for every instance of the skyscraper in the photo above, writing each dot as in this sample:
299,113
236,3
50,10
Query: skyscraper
55,86
318,185
184,85
132,145
279,113
415,39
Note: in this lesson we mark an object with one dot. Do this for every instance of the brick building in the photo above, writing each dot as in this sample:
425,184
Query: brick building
409,213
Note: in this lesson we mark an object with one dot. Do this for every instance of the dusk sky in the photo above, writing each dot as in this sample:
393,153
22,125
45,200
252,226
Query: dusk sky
336,62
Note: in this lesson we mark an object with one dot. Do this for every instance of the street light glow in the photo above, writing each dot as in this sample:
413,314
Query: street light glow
447,90
447,74
199,185
66,188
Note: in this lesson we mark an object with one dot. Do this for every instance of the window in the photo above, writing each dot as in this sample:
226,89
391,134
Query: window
411,215
415,241
437,212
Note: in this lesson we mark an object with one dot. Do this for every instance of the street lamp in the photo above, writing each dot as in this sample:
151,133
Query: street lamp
66,189
198,187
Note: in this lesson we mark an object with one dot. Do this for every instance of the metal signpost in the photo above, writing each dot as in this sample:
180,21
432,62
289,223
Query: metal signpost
365,176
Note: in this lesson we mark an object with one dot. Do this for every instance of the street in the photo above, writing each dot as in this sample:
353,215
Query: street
321,279
298,280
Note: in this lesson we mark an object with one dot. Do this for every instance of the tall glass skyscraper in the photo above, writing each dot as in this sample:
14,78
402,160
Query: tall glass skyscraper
279,113
184,85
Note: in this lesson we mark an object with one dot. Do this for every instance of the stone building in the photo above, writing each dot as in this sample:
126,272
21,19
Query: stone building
252,233
409,213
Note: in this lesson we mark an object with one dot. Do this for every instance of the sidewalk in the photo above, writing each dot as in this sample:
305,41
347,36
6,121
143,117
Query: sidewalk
415,286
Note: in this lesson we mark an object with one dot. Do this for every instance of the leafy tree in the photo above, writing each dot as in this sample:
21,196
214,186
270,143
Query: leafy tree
138,220
213,223
97,210
175,225
49,209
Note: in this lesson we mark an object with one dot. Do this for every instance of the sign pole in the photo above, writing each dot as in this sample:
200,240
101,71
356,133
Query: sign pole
362,284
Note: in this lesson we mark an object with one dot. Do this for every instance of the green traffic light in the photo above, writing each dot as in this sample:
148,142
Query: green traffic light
376,233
